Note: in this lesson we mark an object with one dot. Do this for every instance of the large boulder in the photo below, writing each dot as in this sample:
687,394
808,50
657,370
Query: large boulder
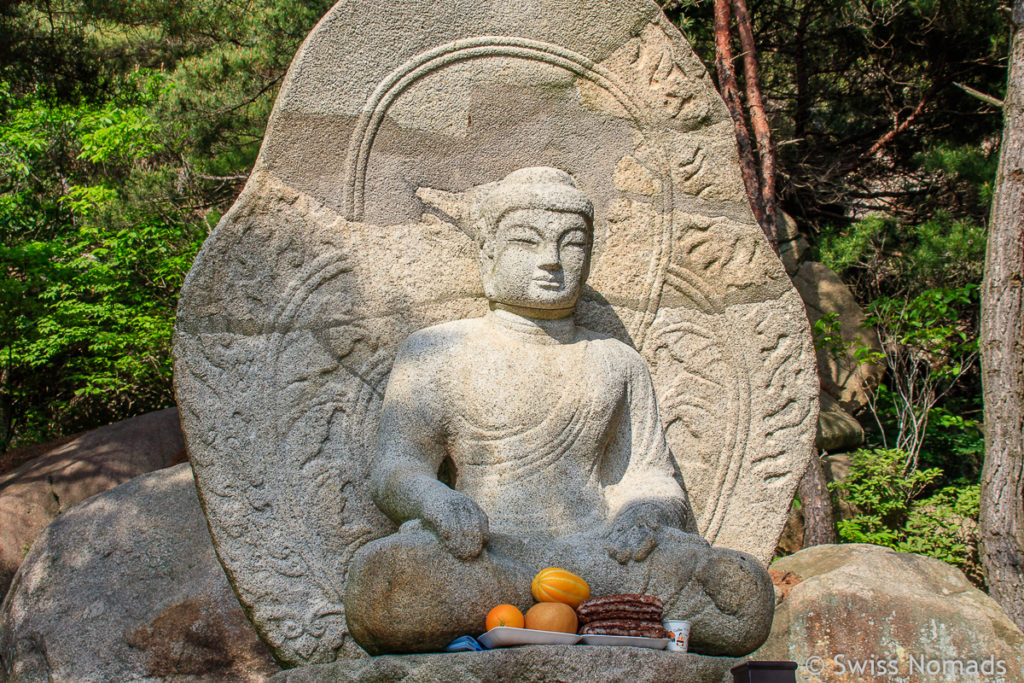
125,586
862,612
359,226
842,375
32,495
846,380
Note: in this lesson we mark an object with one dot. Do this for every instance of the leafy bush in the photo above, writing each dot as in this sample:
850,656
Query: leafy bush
883,257
945,526
828,334
91,274
126,130
891,510
928,344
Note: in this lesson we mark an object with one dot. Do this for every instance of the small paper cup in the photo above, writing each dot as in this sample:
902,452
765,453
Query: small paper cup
678,633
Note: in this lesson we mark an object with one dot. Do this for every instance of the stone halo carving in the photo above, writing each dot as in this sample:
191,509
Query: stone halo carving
389,89
397,81
283,348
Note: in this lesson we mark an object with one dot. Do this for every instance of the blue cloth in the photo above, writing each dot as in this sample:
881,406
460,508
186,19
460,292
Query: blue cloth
464,644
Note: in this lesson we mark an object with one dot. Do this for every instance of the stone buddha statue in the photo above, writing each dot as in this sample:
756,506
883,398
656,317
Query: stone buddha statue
519,441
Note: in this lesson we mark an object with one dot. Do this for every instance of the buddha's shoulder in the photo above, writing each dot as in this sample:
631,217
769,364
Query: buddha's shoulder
440,340
613,349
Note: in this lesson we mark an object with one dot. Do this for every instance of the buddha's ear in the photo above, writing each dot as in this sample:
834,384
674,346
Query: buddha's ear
586,267
590,254
485,259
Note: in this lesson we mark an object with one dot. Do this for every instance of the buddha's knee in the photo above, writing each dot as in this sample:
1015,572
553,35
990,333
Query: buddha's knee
406,593
744,601
388,593
735,581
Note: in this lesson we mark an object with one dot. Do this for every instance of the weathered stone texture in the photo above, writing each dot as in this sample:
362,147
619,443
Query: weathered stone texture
346,240
126,586
35,493
854,604
569,664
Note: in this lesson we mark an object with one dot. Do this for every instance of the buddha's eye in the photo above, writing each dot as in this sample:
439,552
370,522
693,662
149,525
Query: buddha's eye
575,239
524,238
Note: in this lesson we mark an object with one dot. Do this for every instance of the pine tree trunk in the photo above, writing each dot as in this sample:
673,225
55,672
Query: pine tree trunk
759,123
729,89
816,505
1002,355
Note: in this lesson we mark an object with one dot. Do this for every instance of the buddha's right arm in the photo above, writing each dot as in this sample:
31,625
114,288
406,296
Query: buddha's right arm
405,486
410,442
410,449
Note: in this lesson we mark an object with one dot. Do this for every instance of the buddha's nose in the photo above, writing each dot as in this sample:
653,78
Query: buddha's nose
549,257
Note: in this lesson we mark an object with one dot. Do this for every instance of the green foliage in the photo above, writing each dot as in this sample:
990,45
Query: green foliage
882,493
880,255
892,511
955,440
944,526
855,245
828,334
126,130
88,293
932,324
929,345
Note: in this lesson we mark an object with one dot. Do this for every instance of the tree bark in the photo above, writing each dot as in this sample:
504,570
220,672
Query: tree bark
759,122
730,92
1002,354
816,505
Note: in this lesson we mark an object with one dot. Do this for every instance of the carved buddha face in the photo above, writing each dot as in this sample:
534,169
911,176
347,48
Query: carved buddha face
535,252
538,259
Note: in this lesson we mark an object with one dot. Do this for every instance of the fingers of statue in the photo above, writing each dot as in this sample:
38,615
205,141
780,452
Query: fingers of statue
632,543
644,547
461,526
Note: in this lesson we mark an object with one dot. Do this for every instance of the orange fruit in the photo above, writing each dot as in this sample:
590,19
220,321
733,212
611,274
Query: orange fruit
557,585
552,616
504,615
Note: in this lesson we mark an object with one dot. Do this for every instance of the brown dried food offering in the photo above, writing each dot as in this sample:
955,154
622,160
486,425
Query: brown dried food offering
622,599
623,614
625,627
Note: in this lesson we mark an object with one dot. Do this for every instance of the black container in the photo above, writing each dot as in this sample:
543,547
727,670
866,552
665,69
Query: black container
764,672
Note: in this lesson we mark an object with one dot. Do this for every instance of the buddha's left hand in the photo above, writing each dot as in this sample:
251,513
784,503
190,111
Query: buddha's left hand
634,533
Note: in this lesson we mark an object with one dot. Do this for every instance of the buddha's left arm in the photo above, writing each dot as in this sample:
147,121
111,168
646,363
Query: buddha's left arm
639,450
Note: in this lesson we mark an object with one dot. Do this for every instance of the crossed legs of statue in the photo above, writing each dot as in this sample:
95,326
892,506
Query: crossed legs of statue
406,593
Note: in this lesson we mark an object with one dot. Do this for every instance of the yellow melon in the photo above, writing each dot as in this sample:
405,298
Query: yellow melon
557,585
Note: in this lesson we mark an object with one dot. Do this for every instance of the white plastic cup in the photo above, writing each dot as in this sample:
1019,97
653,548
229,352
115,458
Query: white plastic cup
678,633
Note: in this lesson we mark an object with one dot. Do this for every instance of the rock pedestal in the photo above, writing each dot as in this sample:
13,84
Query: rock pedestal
568,664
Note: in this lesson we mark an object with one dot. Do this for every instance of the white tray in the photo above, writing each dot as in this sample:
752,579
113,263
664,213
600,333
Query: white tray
506,636
630,641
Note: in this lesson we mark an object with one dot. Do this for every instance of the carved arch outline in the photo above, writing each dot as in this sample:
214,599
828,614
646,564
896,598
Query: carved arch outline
395,83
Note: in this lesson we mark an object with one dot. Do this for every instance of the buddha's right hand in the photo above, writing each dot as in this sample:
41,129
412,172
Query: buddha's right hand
459,523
